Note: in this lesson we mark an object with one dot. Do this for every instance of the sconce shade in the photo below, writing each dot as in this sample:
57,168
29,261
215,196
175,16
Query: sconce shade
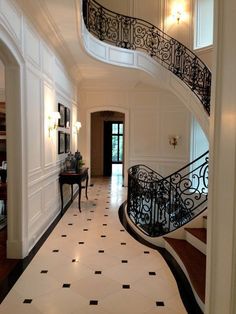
173,140
177,11
56,115
77,126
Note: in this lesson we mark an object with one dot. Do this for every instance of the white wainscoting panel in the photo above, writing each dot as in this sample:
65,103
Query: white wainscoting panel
32,46
13,19
50,191
61,79
50,142
48,61
145,135
35,206
98,49
142,10
34,121
121,56
175,123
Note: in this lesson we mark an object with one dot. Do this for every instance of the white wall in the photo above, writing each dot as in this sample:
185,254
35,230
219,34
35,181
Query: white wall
136,8
44,83
47,84
153,117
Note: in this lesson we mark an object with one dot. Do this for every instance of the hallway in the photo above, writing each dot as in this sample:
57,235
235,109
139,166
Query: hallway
90,264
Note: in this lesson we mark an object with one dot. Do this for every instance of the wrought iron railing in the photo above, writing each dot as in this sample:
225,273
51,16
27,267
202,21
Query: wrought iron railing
160,205
136,34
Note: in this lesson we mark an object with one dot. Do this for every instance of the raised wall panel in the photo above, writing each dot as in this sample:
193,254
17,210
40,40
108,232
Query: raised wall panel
144,135
175,123
62,80
50,194
13,19
48,61
98,49
50,142
116,6
33,121
32,46
119,56
167,168
34,206
142,11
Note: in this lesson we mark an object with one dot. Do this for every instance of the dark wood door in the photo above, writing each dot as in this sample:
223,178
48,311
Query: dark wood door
107,149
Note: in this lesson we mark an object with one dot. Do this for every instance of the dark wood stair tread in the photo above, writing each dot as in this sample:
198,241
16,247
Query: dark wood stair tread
194,262
199,233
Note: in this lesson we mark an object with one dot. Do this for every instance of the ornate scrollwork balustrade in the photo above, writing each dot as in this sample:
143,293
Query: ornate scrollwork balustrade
160,205
136,34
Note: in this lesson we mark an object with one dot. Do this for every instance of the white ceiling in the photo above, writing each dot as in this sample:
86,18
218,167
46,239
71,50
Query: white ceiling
58,21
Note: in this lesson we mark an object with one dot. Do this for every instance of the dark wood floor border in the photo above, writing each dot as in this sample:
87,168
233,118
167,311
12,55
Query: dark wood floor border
183,284
9,281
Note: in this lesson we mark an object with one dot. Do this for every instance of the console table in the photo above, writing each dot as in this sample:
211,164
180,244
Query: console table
74,178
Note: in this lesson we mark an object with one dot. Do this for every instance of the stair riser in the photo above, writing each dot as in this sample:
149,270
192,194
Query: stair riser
179,261
205,223
198,244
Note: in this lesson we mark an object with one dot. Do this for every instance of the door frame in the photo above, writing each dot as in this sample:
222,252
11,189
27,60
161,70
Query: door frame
126,136
17,231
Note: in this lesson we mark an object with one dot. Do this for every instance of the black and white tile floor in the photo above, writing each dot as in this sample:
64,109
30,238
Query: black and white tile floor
90,264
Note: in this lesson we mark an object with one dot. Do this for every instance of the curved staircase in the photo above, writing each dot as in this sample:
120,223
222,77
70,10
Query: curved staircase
164,210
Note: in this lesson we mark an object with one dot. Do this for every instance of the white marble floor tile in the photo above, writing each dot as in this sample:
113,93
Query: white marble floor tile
126,301
96,287
61,301
90,264
13,303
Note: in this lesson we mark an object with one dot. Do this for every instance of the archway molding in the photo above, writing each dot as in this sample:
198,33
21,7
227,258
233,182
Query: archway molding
17,236
126,134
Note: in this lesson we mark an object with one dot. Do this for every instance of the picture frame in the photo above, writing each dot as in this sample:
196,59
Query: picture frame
61,110
61,142
67,142
67,117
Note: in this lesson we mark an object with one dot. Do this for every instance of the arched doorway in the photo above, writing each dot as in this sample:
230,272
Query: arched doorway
125,118
16,181
107,149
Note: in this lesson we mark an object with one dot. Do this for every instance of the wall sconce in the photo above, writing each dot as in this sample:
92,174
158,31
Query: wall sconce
177,11
173,140
77,127
53,121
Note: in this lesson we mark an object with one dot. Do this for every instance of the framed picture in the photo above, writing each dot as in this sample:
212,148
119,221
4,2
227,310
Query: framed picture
67,117
61,142
67,142
61,110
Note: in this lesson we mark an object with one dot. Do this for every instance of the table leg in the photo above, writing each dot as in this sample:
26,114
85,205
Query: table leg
79,197
71,195
86,186
61,191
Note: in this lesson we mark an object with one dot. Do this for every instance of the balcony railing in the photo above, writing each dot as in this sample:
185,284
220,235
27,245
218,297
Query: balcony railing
136,34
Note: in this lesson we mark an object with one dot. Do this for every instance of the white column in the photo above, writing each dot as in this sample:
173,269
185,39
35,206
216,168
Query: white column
221,254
